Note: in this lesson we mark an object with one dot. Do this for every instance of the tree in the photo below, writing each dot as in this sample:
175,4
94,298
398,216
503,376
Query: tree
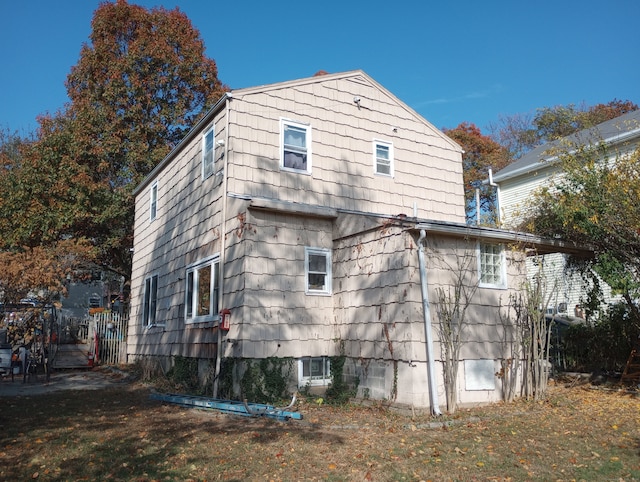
141,82
481,153
520,133
452,304
595,203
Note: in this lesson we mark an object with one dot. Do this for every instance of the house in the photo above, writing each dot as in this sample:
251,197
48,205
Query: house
518,182
318,218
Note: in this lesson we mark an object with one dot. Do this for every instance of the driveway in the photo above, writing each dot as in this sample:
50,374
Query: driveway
89,379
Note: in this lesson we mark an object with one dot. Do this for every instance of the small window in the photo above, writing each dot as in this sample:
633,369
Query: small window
383,158
318,270
153,201
296,142
202,291
207,153
314,371
150,300
491,261
95,301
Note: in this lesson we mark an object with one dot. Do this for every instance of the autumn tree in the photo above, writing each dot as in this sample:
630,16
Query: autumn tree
141,82
481,153
519,133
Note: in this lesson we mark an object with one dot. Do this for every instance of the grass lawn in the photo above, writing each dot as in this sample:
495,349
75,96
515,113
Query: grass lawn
578,433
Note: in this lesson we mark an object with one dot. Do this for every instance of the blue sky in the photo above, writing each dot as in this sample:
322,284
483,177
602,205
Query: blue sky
459,61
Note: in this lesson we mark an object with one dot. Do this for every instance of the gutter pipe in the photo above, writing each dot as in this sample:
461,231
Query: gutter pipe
223,225
433,392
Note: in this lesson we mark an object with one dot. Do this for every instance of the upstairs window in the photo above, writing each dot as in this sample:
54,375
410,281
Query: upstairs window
492,266
153,201
383,158
317,270
150,300
202,291
295,150
207,153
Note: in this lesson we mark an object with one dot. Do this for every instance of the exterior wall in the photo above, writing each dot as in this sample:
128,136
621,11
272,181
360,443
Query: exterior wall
378,310
188,227
428,167
276,316
374,314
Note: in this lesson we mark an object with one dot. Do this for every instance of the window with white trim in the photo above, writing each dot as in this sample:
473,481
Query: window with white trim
153,201
295,145
314,371
317,262
383,158
202,290
492,265
208,148
150,300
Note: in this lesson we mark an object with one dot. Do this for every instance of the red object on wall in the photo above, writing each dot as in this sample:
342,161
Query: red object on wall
225,320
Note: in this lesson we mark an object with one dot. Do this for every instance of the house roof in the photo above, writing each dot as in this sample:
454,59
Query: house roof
355,75
611,132
538,244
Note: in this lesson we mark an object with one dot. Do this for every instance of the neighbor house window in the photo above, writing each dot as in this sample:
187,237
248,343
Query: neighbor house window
317,270
314,371
492,269
295,146
153,201
150,300
202,290
383,158
207,153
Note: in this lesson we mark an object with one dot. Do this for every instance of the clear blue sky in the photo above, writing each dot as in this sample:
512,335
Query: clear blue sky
451,61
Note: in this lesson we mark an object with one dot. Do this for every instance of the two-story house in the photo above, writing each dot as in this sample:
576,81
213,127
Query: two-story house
320,216
518,182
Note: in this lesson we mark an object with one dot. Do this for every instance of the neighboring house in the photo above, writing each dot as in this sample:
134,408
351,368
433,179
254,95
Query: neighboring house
518,182
305,209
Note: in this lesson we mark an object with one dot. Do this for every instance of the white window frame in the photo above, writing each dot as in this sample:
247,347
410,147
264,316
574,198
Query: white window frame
326,289
150,301
318,380
497,278
153,201
377,161
208,153
284,123
191,291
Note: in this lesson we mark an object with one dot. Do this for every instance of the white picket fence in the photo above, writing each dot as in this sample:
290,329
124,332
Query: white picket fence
107,338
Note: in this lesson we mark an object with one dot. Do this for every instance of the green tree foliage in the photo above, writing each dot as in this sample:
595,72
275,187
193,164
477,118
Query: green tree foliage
595,203
141,81
481,153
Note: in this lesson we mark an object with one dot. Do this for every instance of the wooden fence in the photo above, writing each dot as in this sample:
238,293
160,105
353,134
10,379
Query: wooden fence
107,338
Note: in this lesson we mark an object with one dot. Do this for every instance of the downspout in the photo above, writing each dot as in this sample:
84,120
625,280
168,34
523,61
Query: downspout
223,225
433,391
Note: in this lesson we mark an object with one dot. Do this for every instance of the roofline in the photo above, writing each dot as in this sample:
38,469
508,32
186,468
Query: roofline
193,132
208,117
613,140
540,244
